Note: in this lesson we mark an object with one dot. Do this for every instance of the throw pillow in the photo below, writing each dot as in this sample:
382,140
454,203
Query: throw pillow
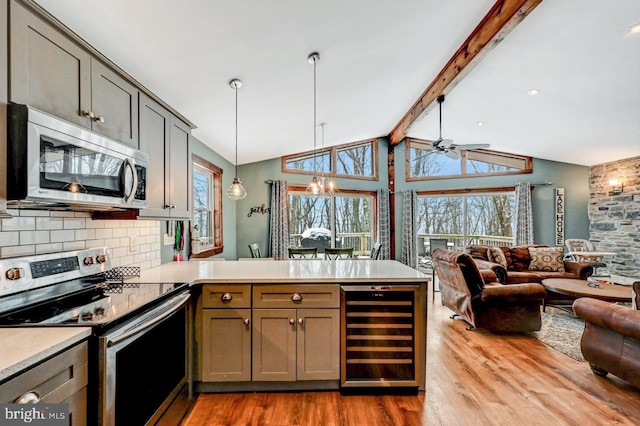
546,259
496,255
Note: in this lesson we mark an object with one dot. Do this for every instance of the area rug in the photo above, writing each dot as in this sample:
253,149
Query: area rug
562,331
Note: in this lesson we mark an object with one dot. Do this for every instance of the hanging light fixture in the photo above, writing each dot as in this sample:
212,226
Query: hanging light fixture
327,184
236,191
315,186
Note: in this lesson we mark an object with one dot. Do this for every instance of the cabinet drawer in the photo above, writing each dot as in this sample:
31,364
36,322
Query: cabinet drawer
226,296
296,296
53,381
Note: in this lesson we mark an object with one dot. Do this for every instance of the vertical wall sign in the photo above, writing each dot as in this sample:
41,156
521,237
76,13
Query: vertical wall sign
559,217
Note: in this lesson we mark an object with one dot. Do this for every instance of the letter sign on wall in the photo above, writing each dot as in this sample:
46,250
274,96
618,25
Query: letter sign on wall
559,217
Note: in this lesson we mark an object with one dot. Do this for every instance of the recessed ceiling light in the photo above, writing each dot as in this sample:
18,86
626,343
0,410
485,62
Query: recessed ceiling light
533,92
480,123
635,29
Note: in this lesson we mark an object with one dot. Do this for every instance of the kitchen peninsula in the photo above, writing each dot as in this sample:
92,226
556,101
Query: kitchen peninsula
304,324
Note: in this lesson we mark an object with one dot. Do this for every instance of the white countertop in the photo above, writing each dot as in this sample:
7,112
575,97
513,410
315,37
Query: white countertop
283,271
20,348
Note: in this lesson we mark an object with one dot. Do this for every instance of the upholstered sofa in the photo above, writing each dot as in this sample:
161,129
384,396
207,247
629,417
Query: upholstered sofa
611,338
490,305
514,265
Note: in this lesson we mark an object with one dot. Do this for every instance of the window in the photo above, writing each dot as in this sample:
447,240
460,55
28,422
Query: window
425,163
344,220
479,218
207,209
356,161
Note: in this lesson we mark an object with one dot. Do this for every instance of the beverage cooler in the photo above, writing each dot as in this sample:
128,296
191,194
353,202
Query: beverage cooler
379,341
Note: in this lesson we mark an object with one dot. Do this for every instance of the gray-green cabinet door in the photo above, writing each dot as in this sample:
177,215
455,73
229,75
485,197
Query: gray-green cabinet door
115,104
274,345
179,174
155,127
226,345
318,344
47,70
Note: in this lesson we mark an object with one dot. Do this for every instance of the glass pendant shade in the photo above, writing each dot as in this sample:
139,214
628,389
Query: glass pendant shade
315,187
236,191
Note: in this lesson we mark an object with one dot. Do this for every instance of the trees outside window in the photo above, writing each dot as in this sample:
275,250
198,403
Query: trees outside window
207,209
342,220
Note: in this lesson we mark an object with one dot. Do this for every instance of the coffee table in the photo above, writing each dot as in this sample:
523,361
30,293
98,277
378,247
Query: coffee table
579,288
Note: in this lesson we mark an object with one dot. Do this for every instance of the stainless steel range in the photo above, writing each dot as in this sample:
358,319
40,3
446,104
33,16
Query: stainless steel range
138,349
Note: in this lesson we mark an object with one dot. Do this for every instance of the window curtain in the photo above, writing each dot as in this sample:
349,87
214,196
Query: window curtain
523,214
384,224
410,228
279,220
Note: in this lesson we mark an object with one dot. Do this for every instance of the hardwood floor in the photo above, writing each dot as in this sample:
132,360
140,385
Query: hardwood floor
473,378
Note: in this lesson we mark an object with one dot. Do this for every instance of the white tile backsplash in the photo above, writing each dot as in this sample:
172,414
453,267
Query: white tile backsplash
37,232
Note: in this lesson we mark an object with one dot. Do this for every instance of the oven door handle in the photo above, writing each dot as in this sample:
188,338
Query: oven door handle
148,324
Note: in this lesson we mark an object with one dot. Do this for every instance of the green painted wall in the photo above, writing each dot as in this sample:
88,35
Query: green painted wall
256,228
572,177
229,236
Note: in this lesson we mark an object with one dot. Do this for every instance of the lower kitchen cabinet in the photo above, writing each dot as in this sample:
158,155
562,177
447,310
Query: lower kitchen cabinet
61,379
296,344
226,345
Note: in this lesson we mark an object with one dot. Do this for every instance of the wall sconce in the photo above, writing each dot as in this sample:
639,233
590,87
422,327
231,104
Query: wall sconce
615,187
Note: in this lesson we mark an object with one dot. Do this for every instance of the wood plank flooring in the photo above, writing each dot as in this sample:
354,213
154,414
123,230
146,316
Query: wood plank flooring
473,378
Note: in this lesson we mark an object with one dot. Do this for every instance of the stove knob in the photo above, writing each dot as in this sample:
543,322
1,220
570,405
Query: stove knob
101,258
88,261
86,316
99,311
15,273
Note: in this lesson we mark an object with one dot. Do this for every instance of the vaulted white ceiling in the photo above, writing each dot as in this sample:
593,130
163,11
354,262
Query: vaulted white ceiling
377,56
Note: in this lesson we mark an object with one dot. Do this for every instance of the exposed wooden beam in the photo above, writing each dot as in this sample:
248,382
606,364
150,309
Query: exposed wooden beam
503,17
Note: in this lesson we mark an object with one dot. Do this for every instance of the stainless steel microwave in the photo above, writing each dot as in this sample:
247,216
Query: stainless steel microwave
52,163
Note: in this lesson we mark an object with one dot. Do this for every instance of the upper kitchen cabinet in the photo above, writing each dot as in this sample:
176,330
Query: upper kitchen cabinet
51,72
166,139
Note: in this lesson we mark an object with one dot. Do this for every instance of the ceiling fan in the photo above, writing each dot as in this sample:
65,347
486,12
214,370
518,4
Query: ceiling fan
446,146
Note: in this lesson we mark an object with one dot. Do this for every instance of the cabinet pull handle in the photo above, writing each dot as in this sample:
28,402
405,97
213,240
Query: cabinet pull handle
169,206
227,297
292,321
28,398
98,119
300,321
246,321
296,297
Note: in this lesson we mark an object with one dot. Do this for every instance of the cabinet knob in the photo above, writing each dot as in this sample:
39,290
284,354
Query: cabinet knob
89,114
227,297
246,321
292,321
28,398
296,297
98,119
300,321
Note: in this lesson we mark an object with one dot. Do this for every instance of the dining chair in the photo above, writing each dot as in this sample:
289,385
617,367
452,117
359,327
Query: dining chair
303,253
254,248
375,251
338,253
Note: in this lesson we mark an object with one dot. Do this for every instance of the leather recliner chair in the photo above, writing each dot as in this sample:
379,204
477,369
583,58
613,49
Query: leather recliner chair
611,338
496,307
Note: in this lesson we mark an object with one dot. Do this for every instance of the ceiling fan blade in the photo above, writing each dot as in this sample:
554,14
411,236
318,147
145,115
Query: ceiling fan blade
451,153
470,146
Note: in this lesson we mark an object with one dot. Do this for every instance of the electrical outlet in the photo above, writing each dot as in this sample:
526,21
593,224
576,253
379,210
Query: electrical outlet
168,240
134,243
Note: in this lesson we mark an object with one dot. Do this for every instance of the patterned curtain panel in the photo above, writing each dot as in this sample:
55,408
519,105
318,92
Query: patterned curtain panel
384,224
279,225
524,215
410,229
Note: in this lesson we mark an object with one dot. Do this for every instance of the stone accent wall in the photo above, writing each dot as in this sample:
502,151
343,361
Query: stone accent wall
39,231
615,219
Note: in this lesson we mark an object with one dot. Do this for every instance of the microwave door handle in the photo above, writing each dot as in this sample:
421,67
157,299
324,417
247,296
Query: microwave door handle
128,196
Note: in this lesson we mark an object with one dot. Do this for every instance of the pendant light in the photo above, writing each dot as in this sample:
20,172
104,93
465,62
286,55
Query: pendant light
327,184
315,187
236,191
